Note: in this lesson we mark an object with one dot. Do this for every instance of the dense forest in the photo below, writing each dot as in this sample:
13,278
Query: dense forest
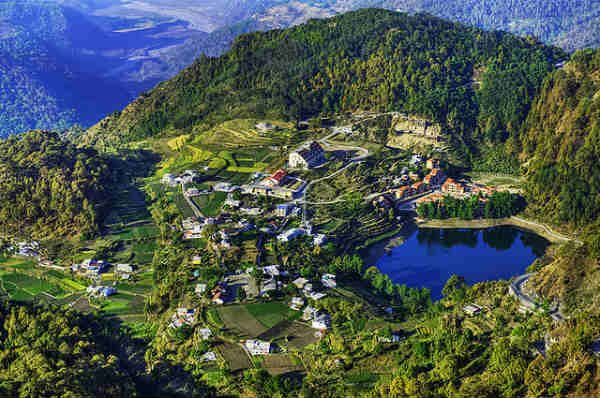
364,60
561,143
49,187
55,352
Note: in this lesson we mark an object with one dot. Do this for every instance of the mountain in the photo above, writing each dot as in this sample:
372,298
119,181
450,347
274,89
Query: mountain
68,62
371,59
561,144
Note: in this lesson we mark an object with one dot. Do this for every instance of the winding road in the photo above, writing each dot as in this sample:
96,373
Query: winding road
516,290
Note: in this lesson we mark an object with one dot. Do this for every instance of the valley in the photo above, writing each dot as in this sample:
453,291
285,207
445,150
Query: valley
377,204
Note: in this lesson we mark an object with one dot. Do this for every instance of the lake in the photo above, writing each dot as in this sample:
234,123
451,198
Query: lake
430,256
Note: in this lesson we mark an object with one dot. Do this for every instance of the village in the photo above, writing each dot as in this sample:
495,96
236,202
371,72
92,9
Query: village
245,301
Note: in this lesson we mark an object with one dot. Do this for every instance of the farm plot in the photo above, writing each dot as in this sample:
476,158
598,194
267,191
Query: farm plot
24,287
278,364
210,204
240,321
235,356
271,313
290,333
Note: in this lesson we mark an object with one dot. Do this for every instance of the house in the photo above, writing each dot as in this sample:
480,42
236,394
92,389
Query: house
169,180
291,234
271,270
275,179
297,303
321,321
434,197
205,333
196,260
200,289
307,289
319,240
94,267
383,202
183,316
435,178
419,187
300,282
188,176
101,291
209,357
317,296
307,156
195,232
268,286
309,313
252,211
225,187
328,280
258,347
472,309
452,186
403,192
219,293
124,268
432,164
416,160
232,202
285,209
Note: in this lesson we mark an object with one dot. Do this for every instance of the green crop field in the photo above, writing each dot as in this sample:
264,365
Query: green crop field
239,321
271,313
210,204
24,287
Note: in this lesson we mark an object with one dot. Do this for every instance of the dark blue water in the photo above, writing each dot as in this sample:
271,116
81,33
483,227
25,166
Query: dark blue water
430,256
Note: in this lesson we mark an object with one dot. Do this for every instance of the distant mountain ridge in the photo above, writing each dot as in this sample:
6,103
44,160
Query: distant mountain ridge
75,61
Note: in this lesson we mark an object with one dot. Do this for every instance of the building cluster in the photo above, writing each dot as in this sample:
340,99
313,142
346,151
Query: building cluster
91,267
101,291
183,317
280,185
258,347
318,319
187,177
27,249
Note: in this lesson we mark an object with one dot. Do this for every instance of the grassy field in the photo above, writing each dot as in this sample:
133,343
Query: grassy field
291,334
211,204
271,313
238,320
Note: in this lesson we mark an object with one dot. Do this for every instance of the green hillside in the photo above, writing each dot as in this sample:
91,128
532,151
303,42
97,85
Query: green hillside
49,187
365,60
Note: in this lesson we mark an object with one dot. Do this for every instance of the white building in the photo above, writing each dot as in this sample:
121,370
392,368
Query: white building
329,281
258,347
321,321
291,234
206,333
297,303
200,289
308,156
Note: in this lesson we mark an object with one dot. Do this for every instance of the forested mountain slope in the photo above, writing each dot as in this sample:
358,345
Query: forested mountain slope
370,59
49,188
46,80
561,147
561,142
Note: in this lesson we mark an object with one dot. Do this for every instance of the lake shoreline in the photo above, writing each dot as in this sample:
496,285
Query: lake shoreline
527,225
